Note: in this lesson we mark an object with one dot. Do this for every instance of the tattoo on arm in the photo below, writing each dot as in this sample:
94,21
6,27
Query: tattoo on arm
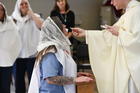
60,80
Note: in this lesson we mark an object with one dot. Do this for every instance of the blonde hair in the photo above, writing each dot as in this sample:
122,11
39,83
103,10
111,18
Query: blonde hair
43,52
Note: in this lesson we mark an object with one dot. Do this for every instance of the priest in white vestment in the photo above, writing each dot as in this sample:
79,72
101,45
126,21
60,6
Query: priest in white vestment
115,51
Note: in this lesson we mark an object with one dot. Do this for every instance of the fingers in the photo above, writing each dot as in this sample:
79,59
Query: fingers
78,32
108,27
30,12
75,34
85,74
64,25
105,26
113,30
83,79
75,31
116,33
87,79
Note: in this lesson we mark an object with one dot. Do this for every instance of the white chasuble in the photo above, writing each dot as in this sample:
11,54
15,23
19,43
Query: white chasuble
115,60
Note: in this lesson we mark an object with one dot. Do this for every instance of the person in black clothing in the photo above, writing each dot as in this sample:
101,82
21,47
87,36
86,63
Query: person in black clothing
61,10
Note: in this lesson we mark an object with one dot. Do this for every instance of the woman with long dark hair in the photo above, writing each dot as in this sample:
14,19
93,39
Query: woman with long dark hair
62,10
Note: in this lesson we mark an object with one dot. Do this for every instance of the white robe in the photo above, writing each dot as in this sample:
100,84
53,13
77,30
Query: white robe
10,43
115,60
29,33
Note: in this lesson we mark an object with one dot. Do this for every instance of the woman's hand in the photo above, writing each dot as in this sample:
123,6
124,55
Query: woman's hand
113,29
83,79
84,74
30,13
36,19
65,30
78,32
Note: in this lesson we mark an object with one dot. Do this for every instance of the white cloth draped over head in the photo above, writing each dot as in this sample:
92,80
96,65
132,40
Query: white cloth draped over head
17,14
116,60
10,43
28,30
52,35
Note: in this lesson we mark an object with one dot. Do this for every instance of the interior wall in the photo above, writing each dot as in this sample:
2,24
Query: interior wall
86,11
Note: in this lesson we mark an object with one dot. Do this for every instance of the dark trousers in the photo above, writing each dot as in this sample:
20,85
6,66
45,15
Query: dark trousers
23,65
5,79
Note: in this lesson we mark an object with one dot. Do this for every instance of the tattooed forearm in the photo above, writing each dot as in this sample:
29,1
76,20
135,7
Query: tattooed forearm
60,80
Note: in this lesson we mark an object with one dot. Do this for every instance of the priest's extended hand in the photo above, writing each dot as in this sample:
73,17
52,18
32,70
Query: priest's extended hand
78,32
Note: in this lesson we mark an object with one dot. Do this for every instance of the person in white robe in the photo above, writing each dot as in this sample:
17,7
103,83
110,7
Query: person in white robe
10,45
115,51
29,25
54,41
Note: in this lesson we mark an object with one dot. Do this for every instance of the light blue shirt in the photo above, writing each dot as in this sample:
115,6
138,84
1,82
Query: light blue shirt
50,67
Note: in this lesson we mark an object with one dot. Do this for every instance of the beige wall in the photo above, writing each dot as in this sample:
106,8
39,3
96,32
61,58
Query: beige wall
86,11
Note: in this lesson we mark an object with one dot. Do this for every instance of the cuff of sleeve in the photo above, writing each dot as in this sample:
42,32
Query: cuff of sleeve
86,35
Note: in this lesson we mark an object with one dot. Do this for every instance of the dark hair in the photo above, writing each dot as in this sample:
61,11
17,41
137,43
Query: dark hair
4,18
58,22
56,8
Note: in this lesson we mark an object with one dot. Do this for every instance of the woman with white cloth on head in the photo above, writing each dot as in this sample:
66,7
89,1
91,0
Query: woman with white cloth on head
55,71
29,25
10,45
